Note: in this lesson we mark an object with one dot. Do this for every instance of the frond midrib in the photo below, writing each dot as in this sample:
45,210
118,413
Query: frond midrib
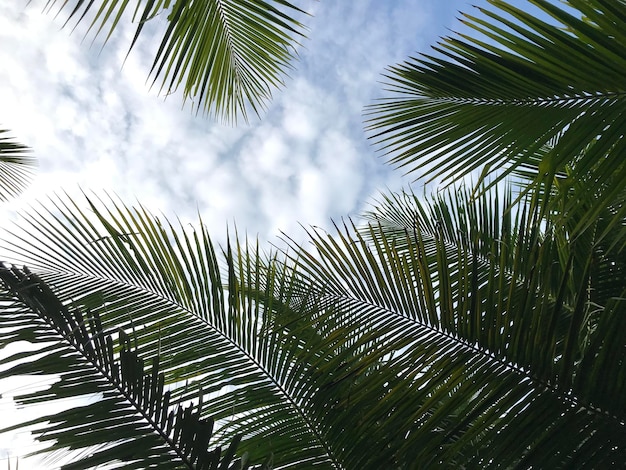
234,56
581,100
71,341
563,395
300,411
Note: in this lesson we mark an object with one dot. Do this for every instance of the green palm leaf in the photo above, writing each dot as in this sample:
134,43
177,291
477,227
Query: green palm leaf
453,342
492,103
16,166
132,406
478,345
228,55
165,285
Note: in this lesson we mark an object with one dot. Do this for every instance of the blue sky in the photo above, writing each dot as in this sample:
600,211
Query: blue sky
95,124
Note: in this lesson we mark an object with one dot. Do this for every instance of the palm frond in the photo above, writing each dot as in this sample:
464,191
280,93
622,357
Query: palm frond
478,348
132,423
16,166
228,55
458,217
166,286
449,342
492,103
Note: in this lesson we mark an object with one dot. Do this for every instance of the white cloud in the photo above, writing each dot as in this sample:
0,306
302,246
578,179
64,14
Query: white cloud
94,123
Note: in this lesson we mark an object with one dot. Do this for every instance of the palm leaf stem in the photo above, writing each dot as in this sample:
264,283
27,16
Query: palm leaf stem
143,393
540,384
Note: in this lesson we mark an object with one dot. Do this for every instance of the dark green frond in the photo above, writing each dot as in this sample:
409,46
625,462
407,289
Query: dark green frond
436,335
132,421
228,56
489,221
484,351
492,103
167,287
16,166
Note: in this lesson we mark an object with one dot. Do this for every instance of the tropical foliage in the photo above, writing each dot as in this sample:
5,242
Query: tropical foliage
522,88
16,165
77,348
482,327
229,55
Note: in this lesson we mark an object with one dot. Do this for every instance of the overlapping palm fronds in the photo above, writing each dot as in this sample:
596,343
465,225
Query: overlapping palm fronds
491,103
228,55
488,336
435,336
132,423
16,166
164,286
476,329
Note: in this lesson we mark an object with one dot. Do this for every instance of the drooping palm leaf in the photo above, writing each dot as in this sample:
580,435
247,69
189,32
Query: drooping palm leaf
131,424
492,102
164,286
485,352
16,165
228,55
421,344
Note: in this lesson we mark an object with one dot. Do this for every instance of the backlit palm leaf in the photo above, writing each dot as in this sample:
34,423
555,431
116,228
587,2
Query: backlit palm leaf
229,55
16,166
491,103
131,424
488,340
164,286
458,342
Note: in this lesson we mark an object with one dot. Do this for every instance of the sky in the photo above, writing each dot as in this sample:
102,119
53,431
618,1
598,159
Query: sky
96,125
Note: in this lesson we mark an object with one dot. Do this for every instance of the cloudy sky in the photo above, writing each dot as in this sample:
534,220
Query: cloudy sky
95,124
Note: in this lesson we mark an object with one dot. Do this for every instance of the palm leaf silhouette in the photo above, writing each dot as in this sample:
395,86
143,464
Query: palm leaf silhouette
228,55
16,166
454,341
166,287
133,421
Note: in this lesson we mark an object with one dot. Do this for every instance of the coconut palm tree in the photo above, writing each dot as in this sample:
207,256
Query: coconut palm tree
477,328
